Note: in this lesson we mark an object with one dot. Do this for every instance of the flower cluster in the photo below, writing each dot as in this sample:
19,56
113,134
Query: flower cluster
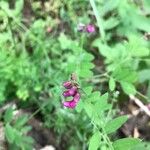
72,91
86,28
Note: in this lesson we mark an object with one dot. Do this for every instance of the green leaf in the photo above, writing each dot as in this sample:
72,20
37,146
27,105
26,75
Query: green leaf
80,106
9,133
85,73
86,65
88,90
111,23
104,49
21,121
18,137
18,7
125,143
125,74
2,89
8,115
22,93
26,129
109,6
144,75
142,146
128,88
102,104
87,57
141,52
137,47
141,23
28,140
89,109
95,141
94,96
115,124
112,84
65,42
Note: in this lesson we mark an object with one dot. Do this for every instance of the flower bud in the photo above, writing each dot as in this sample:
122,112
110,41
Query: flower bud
81,27
76,97
67,84
90,28
49,29
66,93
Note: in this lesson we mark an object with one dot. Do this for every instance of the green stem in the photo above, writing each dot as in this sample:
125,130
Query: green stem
107,139
143,96
104,136
38,110
99,20
82,40
11,33
98,78
101,75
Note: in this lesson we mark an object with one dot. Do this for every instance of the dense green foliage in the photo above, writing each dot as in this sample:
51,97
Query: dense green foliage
35,61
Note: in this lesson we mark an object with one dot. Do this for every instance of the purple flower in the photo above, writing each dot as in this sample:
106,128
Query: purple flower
67,84
70,104
70,92
73,90
73,102
90,28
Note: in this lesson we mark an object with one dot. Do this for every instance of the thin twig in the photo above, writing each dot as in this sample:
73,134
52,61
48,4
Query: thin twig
140,104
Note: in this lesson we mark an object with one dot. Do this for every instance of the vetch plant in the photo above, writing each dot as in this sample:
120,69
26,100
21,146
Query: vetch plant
73,91
109,61
99,111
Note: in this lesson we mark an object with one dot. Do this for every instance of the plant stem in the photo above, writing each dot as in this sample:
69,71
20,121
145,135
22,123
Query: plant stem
38,110
104,135
99,20
101,75
82,40
107,139
11,33
143,96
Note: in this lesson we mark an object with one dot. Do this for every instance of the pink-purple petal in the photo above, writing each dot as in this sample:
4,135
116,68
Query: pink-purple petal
90,28
76,97
70,104
66,93
73,91
67,84
70,92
